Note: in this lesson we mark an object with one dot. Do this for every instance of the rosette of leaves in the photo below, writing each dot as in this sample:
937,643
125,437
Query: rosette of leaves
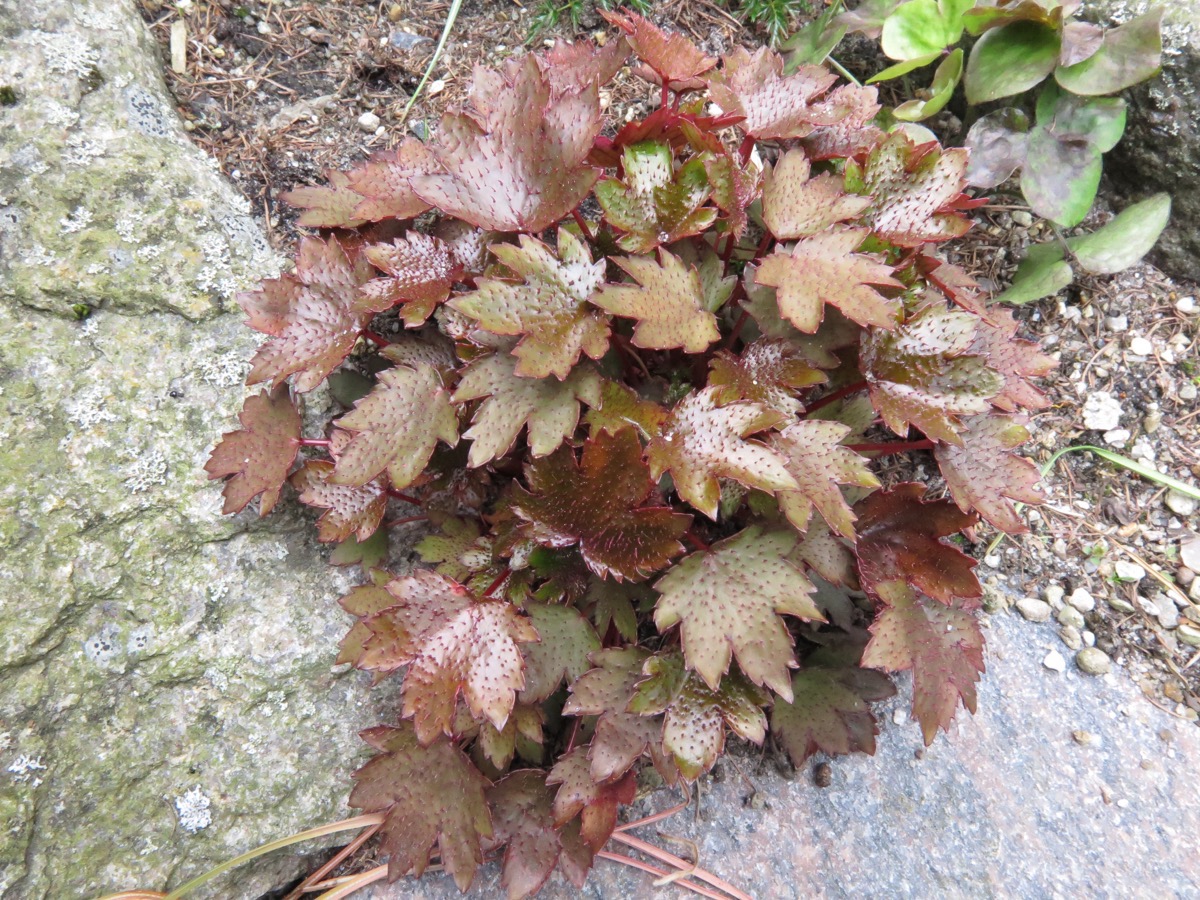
642,445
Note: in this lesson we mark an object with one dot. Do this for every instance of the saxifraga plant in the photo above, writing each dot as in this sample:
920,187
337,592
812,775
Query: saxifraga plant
642,438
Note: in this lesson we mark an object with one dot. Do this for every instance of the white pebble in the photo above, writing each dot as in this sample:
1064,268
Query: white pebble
435,87
1082,600
1187,391
1117,437
1102,411
1054,662
1034,610
1139,346
368,122
1089,639
1022,218
992,560
1129,571
1117,323
1186,305
1180,504
1053,594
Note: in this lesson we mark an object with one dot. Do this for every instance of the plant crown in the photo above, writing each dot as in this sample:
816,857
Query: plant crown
636,382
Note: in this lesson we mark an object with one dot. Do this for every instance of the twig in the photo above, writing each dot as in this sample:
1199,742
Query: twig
672,860
655,870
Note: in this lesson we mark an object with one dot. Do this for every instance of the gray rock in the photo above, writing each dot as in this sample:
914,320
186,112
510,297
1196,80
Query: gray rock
1053,594
1069,615
1093,661
1034,610
1120,604
1102,411
1180,504
1054,661
1006,805
1126,571
166,691
1189,554
1071,637
1161,147
1082,600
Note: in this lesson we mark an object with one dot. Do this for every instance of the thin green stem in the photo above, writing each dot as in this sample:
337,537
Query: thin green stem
435,59
843,71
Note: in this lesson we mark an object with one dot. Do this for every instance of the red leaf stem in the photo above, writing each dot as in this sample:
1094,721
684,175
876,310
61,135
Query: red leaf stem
837,395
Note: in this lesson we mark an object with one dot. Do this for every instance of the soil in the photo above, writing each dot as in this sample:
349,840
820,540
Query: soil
275,92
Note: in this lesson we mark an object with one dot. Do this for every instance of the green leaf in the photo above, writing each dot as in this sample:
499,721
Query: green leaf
368,553
1010,59
945,80
812,43
921,27
1042,273
1126,239
1129,55
1060,178
903,68
830,712
1099,121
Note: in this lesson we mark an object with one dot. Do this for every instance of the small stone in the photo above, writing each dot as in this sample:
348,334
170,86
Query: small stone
263,27
1093,661
1189,554
1117,437
1152,422
1187,391
1194,590
1071,637
1139,346
395,12
1053,594
1189,634
1117,323
992,560
1168,614
1102,411
1084,738
1120,604
1186,305
1022,219
1180,504
1173,692
1034,610
1089,639
1082,600
1128,571
1184,576
368,122
1069,615
1055,662
435,87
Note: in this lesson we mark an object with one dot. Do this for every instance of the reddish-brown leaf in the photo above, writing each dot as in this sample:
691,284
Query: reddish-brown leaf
621,408
596,502
854,132
522,818
314,315
621,736
728,601
983,475
363,601
451,643
672,56
900,538
1015,360
516,162
581,795
769,371
326,206
565,642
696,715
429,794
260,454
349,510
825,269
813,453
421,271
702,441
775,106
385,182
941,644
571,67
795,205
827,554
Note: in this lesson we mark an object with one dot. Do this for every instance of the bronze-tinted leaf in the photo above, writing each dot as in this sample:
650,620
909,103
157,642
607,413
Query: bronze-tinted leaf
672,56
260,454
561,652
594,802
796,205
768,371
621,736
813,453
983,475
421,271
349,510
775,106
523,821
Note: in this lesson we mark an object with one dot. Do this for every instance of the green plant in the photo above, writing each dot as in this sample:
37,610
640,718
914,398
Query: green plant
776,16
742,340
1056,140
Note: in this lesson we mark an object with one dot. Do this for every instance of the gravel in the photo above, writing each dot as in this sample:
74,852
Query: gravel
1093,661
1128,571
1082,599
1180,504
1055,662
368,122
1069,615
1139,346
1053,594
1034,610
1102,411
1189,554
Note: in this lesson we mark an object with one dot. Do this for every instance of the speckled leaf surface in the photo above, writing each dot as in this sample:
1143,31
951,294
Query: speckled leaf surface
668,303
397,426
728,601
597,503
260,454
429,794
421,271
830,711
565,641
621,736
313,315
775,106
795,204
672,56
385,182
579,794
326,206
549,407
621,407
523,822
813,453
941,644
349,509
824,269
701,441
983,474
768,371
1016,361
900,537
549,308
516,161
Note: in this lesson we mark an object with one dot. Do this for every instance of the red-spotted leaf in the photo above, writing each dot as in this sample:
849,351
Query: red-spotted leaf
396,427
499,746
385,182
825,269
672,56
581,795
734,188
422,270
775,105
314,315
928,372
812,453
941,644
796,205
915,189
349,510
1016,361
566,640
653,202
768,371
728,601
523,822
621,408
548,406
597,503
854,133
668,304
701,441
549,307
363,601
571,67
826,554
696,716
612,603
983,475
457,549
900,538
260,454
621,736
516,162
451,643
830,709
429,794
326,206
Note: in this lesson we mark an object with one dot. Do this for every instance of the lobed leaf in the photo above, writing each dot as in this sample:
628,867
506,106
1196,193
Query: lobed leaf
523,821
830,711
260,454
672,56
596,803
621,736
620,407
349,510
385,182
812,453
795,205
983,475
565,642
422,270
768,371
774,106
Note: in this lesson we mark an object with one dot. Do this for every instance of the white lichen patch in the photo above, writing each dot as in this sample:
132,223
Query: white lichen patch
24,770
67,54
90,407
147,471
77,221
194,810
105,646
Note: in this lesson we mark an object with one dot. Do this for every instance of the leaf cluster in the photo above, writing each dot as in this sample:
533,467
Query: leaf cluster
644,445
